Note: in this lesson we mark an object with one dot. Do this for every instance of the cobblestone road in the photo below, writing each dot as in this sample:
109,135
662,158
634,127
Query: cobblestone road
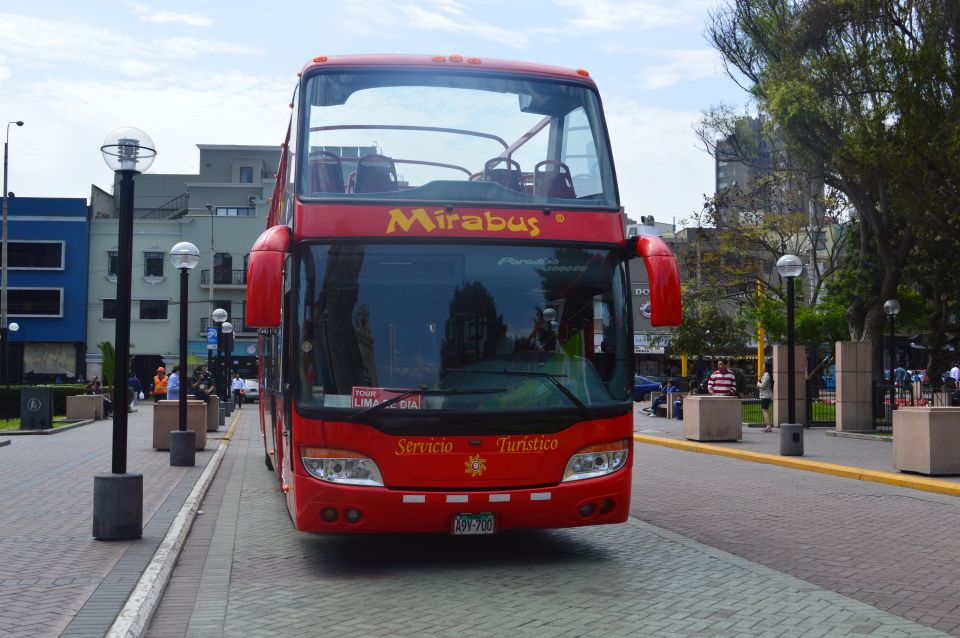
246,572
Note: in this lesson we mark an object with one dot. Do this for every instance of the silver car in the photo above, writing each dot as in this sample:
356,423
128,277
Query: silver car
251,390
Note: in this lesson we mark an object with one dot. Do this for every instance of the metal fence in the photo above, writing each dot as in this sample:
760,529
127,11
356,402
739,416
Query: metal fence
821,404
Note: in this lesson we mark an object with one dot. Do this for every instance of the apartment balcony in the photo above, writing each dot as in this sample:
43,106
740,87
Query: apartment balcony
239,327
224,278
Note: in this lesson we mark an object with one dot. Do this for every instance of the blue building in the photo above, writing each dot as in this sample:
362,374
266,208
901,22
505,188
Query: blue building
48,260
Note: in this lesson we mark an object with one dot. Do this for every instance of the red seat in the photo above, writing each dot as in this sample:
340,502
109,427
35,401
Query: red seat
554,181
510,177
326,172
375,174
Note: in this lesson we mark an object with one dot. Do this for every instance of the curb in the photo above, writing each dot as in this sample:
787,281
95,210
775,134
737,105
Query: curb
862,437
861,474
62,428
135,616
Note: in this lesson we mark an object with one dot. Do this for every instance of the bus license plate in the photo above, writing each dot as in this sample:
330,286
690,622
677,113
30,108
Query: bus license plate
464,524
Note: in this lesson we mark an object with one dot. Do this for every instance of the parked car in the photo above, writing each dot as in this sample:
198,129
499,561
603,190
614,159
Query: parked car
643,386
251,390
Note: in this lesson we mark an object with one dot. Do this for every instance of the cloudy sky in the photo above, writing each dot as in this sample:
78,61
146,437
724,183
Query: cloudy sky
215,72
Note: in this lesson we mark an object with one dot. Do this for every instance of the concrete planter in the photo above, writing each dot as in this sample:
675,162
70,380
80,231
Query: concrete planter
712,418
927,440
85,406
166,419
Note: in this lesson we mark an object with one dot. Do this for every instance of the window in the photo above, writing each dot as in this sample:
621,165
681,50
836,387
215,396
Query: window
34,255
109,309
222,268
153,308
246,174
224,211
113,263
35,302
153,264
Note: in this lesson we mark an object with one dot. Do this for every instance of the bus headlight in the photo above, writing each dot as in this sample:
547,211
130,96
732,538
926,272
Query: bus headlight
597,460
340,466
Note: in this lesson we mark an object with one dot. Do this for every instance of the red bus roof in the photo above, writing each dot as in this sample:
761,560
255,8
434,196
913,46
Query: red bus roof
447,62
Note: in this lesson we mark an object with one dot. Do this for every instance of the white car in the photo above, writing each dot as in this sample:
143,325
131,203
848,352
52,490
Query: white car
251,390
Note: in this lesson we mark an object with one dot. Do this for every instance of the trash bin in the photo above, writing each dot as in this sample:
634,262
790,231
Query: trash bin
36,408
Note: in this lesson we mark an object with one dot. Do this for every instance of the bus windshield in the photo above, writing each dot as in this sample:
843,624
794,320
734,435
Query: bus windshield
461,327
464,138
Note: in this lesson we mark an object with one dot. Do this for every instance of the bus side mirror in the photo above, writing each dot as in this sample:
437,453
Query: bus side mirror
265,277
664,277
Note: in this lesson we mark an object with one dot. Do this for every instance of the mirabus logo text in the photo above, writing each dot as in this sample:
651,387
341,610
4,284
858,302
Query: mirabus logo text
441,219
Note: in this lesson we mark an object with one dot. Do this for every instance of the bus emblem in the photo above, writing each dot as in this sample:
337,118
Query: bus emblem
475,465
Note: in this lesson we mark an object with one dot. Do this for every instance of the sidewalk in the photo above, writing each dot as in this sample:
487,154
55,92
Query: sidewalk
818,445
54,577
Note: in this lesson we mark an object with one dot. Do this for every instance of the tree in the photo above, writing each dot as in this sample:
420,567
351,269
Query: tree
863,90
706,330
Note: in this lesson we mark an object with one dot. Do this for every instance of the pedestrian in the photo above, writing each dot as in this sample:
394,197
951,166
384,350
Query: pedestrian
666,389
173,385
765,388
134,384
160,385
237,386
200,384
722,382
955,374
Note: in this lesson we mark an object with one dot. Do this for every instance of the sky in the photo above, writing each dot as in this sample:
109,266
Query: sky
215,72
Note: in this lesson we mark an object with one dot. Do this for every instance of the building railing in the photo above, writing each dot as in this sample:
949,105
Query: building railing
239,327
224,277
176,207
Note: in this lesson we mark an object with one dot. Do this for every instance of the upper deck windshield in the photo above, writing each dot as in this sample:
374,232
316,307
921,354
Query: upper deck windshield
461,327
441,137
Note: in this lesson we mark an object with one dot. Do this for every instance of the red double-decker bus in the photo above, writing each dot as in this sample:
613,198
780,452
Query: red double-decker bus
443,300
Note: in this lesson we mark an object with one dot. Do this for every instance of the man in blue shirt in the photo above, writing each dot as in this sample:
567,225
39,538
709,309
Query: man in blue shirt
669,388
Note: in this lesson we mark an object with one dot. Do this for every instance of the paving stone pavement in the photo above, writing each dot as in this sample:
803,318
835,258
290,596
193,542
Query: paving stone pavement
50,565
891,547
818,446
246,572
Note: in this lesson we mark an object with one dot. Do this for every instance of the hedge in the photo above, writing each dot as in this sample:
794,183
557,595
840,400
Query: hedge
10,398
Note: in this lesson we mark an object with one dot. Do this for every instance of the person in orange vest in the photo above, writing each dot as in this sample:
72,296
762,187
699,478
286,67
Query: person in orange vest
160,385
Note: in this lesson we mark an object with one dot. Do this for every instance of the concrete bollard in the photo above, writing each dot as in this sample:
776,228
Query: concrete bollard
791,439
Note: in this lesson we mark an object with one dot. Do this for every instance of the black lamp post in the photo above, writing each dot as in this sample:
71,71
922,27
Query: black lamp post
227,328
219,316
11,329
118,496
184,256
3,263
791,433
892,308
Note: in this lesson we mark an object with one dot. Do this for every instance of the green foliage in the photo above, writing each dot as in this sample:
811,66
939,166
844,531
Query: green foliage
706,330
109,362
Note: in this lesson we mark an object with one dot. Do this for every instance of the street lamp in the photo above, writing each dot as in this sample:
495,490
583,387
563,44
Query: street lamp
13,327
791,433
219,316
183,442
3,262
227,351
118,496
891,307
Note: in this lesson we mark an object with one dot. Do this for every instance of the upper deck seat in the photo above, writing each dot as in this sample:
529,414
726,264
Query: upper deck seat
326,172
375,174
553,181
509,177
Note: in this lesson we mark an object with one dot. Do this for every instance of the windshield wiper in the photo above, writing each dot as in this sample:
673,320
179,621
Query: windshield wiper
552,378
426,393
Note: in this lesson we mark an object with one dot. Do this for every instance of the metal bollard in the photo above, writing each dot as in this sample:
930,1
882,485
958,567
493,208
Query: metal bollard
791,439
